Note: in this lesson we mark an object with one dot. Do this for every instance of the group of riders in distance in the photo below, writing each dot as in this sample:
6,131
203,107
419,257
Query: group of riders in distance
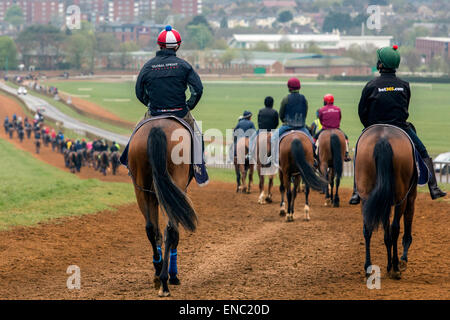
77,153
386,174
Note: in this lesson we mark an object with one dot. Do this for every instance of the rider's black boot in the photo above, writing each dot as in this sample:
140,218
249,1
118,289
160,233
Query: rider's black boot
435,191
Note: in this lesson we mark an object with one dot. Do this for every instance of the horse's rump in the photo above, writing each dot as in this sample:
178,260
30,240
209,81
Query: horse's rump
263,138
325,147
403,164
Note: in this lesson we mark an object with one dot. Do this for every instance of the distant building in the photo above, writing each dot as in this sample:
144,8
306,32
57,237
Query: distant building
327,65
141,34
299,42
279,4
36,11
130,10
188,8
430,47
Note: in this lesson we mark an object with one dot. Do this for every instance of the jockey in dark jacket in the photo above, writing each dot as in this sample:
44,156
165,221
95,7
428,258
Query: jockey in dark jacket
162,84
293,112
267,120
244,128
385,100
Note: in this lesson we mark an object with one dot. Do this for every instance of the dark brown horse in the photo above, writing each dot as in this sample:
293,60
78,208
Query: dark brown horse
242,166
158,181
263,139
297,160
103,162
386,176
331,157
114,158
72,161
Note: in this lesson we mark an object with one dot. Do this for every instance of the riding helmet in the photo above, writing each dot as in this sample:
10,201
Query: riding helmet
169,38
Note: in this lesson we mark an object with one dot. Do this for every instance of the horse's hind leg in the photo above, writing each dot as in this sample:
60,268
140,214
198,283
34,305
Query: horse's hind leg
269,190
407,222
336,196
238,177
250,177
282,191
394,232
367,236
153,234
306,209
287,186
171,241
261,199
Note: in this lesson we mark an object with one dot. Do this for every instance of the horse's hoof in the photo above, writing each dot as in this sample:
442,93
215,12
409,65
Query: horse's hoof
289,217
269,200
327,202
163,293
175,281
402,264
282,212
396,275
336,205
156,282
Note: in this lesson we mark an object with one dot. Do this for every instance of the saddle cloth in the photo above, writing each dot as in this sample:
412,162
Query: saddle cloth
196,146
423,173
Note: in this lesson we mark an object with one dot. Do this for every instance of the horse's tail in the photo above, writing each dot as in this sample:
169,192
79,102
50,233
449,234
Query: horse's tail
336,153
170,197
306,171
377,208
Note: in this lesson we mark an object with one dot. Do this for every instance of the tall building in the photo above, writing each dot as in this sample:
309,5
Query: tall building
187,8
91,10
36,11
130,10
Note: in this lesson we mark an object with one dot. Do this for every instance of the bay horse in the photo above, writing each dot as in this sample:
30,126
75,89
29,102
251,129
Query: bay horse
297,161
114,158
103,162
331,159
159,182
243,166
386,176
264,138
72,161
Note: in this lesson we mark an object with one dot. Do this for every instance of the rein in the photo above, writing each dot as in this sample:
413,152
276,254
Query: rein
138,186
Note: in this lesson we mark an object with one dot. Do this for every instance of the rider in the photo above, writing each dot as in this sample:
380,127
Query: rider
385,100
162,83
330,118
244,128
293,111
267,120
114,147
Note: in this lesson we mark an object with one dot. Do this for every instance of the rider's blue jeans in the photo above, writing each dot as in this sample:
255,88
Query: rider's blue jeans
417,143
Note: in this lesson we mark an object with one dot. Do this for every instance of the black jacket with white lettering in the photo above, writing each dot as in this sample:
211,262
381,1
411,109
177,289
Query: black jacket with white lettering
385,100
162,83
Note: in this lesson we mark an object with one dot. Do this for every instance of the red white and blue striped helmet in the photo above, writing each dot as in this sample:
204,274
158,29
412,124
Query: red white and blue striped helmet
169,38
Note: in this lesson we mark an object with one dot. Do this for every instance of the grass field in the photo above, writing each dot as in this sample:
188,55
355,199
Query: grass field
32,191
223,102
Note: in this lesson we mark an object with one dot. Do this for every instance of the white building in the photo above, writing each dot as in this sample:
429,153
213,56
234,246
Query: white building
302,41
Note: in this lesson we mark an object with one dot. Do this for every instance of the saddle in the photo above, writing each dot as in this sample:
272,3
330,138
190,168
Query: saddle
423,173
294,131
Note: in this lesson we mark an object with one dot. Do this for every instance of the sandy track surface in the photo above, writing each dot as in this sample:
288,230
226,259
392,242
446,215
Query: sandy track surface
241,250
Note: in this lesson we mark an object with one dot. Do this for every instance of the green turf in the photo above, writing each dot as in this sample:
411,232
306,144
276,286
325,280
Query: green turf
32,191
222,104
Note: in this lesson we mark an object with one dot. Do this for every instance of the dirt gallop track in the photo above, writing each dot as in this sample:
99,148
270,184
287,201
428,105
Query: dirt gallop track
241,250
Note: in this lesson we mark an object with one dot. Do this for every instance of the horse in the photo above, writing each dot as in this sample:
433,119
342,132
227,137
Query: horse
386,176
103,162
158,181
263,138
80,160
72,161
38,145
95,161
242,166
297,161
331,159
114,158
